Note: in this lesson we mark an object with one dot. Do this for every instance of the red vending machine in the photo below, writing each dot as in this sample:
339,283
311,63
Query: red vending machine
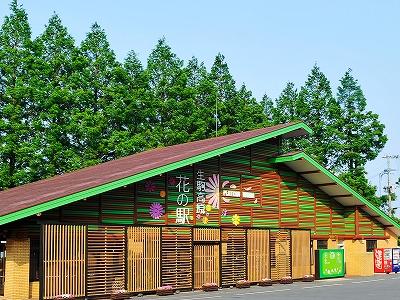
383,260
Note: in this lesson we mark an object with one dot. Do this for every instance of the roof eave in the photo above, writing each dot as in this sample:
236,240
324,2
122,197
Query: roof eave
364,202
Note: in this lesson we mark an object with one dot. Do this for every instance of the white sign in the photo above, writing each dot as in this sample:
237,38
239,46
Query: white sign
236,194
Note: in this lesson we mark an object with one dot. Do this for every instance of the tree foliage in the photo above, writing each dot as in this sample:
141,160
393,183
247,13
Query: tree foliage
345,135
65,106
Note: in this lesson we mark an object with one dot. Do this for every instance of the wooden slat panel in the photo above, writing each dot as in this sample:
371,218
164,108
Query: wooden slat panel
143,259
106,259
233,255
176,248
206,234
280,253
301,263
64,260
206,264
257,254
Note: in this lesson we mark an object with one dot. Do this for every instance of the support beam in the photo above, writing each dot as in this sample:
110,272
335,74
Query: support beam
342,196
350,237
309,172
326,184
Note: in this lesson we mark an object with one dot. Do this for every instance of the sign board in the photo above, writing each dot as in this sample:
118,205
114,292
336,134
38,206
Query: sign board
329,263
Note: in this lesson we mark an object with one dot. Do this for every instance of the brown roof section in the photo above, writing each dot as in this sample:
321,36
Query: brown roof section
39,192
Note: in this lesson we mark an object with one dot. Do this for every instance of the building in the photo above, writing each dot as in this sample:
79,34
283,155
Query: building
216,210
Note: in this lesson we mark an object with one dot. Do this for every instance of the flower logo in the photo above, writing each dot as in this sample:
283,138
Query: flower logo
149,186
236,219
156,210
205,220
224,213
212,190
172,181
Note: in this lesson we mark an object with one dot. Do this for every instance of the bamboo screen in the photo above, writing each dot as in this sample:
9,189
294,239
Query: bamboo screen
289,201
176,248
106,259
349,220
257,254
306,204
143,259
233,255
85,211
270,187
301,256
117,206
63,260
322,213
338,223
206,264
279,242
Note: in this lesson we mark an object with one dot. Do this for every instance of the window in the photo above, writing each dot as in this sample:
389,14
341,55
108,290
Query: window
371,244
322,244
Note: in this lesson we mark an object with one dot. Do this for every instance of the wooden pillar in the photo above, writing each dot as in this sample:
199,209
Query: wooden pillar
16,285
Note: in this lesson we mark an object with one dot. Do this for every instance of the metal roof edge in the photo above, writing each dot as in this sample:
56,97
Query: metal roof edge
302,155
39,208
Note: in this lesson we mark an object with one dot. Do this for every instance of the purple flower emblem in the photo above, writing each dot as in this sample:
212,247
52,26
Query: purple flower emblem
156,210
172,181
149,186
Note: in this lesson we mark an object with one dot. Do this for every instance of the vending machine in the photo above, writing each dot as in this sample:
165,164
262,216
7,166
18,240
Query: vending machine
396,260
383,260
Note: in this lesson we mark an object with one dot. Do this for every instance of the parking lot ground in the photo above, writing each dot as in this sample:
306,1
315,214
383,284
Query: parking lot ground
361,288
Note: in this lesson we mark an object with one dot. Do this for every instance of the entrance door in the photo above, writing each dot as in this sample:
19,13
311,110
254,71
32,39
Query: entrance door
206,264
301,255
280,253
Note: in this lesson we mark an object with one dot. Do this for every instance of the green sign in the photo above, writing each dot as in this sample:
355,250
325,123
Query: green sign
329,263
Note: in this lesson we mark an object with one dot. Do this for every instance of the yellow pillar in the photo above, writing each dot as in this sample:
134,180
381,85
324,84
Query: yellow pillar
16,285
359,262
34,290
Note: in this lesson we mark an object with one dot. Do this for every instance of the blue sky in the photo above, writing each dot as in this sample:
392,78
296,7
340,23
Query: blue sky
266,43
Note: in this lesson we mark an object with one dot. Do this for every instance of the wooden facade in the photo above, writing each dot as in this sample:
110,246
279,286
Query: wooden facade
248,192
227,218
102,259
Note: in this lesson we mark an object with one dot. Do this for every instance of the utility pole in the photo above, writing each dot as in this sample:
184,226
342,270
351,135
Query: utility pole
389,187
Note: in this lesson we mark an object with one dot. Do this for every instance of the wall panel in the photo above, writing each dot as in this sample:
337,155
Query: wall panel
64,264
257,254
177,255
143,259
233,255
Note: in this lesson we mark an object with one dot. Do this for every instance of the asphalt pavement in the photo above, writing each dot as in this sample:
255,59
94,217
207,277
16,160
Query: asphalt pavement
361,288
